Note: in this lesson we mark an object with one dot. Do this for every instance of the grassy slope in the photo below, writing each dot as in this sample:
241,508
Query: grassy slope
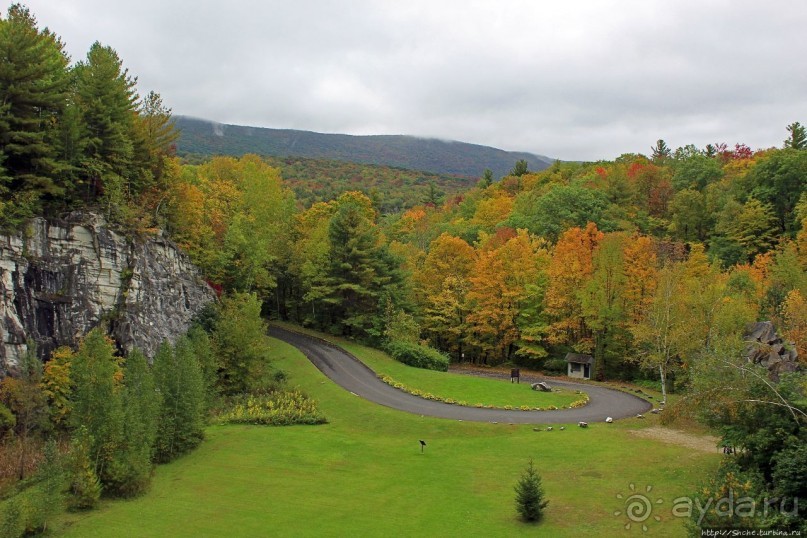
473,390
363,475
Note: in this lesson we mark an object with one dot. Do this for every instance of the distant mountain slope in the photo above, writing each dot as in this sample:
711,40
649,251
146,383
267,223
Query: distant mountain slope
439,156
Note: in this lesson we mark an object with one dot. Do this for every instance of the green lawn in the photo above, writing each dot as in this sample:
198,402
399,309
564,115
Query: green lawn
460,388
363,475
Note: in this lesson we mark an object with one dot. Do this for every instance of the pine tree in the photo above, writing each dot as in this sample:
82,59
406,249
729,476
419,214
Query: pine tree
660,151
530,497
520,168
33,91
361,267
798,136
107,99
487,178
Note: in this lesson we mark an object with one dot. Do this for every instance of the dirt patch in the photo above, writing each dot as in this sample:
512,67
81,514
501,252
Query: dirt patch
703,443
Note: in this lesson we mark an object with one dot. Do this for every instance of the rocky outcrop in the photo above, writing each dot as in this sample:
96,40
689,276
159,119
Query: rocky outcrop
61,278
767,348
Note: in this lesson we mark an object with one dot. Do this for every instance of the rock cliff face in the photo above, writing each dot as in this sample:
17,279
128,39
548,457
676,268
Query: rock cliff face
59,279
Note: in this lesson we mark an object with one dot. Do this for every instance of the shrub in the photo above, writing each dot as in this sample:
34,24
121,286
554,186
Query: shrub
417,355
556,366
277,408
12,521
530,502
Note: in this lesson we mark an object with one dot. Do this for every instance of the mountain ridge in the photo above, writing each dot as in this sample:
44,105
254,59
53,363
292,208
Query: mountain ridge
206,137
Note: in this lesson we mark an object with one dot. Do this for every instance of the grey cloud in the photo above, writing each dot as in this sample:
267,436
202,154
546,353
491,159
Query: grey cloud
575,80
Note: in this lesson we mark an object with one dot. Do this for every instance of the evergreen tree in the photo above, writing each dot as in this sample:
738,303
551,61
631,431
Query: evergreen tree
661,151
181,417
530,497
131,470
487,178
798,136
33,91
435,196
520,168
360,268
155,135
107,99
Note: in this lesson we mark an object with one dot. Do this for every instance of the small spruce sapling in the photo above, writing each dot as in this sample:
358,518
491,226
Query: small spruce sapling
530,497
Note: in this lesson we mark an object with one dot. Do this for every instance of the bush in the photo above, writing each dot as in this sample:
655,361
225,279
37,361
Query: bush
279,408
417,355
530,502
556,366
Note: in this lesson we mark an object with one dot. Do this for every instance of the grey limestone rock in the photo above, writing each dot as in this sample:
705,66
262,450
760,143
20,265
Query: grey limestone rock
61,278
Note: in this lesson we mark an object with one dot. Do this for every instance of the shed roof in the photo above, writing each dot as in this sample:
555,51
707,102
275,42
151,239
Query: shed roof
579,358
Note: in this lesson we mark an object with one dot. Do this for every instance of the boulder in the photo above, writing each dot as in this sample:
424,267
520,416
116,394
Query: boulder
764,346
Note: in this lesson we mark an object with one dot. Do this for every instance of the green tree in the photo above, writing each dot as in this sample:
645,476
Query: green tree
530,497
203,349
179,381
549,214
258,240
132,466
487,178
47,497
97,406
240,344
155,134
33,94
661,151
778,180
754,229
107,99
696,171
83,484
361,268
602,301
520,168
690,218
663,333
798,136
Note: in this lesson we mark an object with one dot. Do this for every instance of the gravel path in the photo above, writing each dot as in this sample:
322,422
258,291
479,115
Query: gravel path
352,375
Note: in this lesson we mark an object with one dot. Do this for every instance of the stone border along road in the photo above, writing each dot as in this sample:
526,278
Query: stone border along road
354,376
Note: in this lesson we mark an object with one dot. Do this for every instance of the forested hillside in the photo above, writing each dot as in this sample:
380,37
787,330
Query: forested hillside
391,189
431,155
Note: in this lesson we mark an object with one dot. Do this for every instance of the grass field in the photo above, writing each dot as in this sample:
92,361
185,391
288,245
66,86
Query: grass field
461,388
363,475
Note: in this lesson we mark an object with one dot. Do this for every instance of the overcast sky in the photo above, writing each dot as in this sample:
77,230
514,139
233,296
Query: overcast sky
578,80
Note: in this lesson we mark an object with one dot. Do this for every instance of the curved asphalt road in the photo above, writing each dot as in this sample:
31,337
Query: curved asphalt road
354,376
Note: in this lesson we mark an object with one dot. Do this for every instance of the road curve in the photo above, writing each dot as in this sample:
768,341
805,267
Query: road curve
354,376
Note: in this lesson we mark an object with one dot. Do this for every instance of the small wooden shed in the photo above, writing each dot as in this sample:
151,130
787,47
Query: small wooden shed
579,365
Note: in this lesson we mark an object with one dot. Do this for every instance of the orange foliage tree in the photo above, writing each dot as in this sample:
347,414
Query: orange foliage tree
571,266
